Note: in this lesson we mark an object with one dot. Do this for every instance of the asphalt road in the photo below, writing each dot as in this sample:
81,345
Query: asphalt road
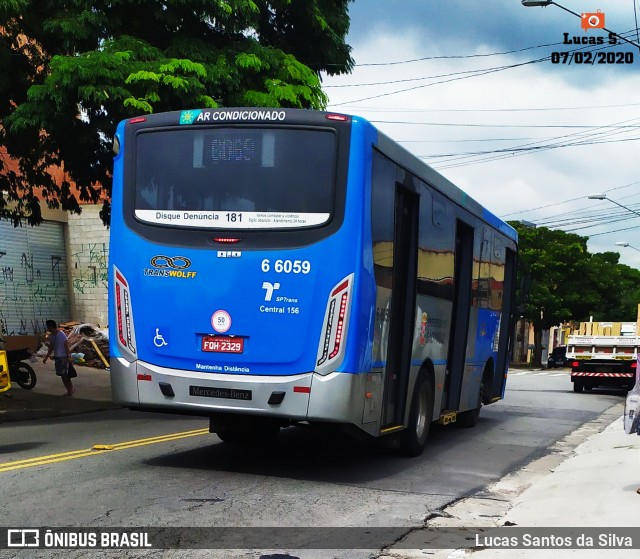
159,470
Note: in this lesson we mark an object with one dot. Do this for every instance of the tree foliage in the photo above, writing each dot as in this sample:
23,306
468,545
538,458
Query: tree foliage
560,281
72,69
617,288
552,264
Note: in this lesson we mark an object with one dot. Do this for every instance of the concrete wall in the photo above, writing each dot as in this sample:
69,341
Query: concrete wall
88,256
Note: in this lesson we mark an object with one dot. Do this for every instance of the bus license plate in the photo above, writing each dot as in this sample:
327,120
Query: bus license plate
222,344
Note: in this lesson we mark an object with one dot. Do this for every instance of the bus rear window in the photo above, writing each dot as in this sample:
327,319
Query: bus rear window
239,178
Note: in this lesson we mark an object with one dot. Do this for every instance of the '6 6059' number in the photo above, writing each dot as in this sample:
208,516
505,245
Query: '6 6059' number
287,266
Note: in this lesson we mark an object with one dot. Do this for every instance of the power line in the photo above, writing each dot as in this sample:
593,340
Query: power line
615,231
575,135
495,68
478,73
481,73
475,125
582,108
453,57
635,14
582,218
468,140
514,150
574,199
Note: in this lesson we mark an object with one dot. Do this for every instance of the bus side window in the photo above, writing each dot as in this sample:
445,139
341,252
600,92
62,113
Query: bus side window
383,191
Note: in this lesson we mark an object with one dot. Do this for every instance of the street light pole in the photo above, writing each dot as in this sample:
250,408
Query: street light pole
545,3
623,244
604,197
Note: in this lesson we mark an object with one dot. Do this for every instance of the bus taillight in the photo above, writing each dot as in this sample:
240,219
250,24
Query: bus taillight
335,324
124,317
227,240
334,116
340,327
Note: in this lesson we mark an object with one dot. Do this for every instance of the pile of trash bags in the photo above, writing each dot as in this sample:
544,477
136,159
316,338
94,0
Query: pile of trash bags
89,344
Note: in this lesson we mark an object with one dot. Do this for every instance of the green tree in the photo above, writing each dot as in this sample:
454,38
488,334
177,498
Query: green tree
560,281
552,269
629,294
72,70
617,289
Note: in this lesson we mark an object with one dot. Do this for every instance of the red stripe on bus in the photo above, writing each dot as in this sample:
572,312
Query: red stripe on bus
342,286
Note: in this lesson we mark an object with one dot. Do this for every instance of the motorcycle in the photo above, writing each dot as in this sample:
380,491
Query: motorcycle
19,371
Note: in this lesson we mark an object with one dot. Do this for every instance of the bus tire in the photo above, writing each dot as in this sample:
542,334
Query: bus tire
578,385
414,438
469,418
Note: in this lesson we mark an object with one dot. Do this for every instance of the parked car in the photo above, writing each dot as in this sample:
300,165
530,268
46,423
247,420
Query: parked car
558,358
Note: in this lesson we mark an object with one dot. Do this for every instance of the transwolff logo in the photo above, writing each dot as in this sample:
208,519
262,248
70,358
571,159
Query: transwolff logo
175,262
169,267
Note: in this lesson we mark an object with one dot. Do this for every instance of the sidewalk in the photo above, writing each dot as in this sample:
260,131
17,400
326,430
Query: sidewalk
46,399
592,487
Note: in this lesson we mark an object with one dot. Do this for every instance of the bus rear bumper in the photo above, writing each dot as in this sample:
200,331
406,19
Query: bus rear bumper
302,397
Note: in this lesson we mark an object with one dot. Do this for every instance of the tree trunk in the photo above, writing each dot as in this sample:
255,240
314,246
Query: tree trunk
536,361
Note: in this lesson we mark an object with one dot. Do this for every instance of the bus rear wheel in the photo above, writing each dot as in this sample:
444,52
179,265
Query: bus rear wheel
470,418
578,385
414,437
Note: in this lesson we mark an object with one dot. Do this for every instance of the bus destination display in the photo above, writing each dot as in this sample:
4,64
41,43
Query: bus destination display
231,148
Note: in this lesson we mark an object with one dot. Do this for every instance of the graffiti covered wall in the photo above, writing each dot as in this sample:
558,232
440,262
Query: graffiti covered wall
34,283
88,262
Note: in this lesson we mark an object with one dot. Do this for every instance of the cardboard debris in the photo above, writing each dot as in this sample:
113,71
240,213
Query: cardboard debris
82,338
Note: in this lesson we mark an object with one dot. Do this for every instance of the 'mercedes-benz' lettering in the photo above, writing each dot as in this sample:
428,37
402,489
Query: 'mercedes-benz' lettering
226,393
219,116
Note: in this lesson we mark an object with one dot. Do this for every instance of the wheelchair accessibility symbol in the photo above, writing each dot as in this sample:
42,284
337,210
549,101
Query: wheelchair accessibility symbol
159,340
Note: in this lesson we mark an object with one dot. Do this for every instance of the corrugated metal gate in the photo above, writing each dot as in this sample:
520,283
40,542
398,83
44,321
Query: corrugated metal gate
34,283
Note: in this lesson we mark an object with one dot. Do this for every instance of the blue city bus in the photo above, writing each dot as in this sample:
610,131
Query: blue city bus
280,267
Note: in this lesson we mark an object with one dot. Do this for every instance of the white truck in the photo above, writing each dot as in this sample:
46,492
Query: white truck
608,361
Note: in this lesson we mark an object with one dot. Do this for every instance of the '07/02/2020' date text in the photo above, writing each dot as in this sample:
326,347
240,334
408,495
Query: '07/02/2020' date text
592,58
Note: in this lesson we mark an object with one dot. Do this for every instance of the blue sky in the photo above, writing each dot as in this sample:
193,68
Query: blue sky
496,135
